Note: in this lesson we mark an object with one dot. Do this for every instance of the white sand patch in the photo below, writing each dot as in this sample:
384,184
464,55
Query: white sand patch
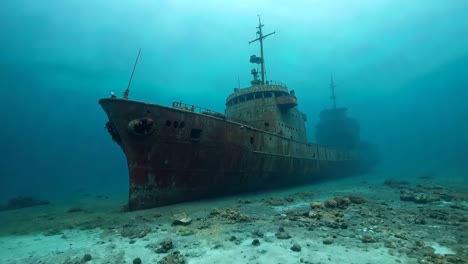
74,244
295,206
115,249
279,251
439,249
15,248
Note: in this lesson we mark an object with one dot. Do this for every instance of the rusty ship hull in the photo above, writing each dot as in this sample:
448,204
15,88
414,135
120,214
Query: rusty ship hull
177,154
184,152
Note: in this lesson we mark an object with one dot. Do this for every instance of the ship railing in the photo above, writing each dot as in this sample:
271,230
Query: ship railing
197,109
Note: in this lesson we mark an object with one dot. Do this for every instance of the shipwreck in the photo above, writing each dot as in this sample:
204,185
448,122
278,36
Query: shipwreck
184,152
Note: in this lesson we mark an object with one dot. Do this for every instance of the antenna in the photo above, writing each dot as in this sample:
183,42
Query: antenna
332,87
260,39
131,76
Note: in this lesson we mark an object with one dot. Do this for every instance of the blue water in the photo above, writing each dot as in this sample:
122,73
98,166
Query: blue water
401,69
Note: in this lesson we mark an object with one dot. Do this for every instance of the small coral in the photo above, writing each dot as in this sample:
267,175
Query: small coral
332,203
317,205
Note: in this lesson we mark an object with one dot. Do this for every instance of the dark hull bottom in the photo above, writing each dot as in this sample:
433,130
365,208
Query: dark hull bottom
214,184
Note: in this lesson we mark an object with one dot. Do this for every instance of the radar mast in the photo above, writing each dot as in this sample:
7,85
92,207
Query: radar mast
259,60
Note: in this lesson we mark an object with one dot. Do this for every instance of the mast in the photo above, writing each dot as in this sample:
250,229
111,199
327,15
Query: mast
260,60
127,91
332,87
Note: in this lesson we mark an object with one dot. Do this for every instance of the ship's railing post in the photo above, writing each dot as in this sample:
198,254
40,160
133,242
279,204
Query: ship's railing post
196,109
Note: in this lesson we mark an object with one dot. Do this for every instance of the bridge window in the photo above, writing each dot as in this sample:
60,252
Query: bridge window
258,95
278,94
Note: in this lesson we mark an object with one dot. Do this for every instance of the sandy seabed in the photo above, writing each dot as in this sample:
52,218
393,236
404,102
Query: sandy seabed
353,220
